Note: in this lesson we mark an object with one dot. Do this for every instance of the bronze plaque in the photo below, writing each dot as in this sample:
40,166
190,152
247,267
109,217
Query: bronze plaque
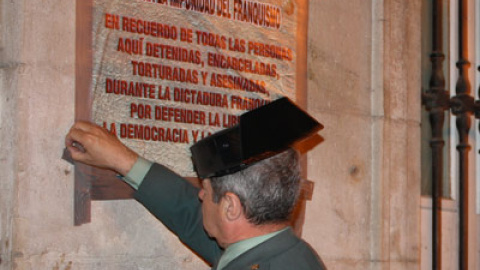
162,74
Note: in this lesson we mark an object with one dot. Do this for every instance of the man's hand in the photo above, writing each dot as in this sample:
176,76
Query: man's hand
93,145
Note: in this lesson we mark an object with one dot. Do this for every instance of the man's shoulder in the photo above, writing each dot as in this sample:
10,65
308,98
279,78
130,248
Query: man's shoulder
301,256
287,251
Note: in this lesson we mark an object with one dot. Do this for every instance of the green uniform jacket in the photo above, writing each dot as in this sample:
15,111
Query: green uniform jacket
175,202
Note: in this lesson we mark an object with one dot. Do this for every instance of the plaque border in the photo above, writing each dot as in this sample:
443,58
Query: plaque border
92,183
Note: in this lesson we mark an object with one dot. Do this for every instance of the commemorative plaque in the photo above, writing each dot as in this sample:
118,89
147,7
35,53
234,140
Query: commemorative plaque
163,74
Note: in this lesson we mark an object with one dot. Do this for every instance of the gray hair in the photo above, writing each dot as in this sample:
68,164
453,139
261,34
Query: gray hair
268,190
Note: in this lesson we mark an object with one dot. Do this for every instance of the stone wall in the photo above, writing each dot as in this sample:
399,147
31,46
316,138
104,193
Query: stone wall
10,66
363,85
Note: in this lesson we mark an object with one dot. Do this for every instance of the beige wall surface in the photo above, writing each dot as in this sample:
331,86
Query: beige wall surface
363,85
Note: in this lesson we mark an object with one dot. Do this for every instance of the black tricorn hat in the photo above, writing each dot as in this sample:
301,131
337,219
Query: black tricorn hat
260,134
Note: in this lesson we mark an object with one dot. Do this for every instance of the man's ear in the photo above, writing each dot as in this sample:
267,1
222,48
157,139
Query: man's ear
231,206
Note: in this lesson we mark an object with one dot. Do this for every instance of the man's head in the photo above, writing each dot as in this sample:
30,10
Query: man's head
251,171
267,190
251,202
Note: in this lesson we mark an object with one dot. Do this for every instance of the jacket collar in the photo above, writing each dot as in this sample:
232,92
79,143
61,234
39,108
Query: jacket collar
258,257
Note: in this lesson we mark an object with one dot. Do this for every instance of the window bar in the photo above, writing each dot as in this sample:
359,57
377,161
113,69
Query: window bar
436,100
462,106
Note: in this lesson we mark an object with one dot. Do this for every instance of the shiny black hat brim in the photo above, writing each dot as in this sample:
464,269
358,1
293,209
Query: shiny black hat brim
261,133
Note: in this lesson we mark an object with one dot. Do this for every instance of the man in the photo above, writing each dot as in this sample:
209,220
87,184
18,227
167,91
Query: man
239,220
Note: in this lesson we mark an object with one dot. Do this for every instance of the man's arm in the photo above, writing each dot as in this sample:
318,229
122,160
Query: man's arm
165,194
174,201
